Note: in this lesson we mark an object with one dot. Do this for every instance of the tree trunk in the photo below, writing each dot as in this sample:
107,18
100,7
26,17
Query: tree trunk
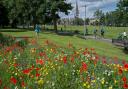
55,24
44,27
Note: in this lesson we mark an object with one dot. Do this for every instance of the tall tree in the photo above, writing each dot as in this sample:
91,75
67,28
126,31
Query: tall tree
25,11
122,12
99,15
56,7
3,15
36,11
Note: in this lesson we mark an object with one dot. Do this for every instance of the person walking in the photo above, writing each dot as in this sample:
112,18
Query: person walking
37,30
95,33
102,33
124,35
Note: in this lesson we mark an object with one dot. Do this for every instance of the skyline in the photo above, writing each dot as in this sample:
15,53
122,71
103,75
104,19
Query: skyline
92,6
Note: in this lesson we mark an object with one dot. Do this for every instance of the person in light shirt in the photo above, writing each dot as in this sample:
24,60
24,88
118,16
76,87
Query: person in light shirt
124,35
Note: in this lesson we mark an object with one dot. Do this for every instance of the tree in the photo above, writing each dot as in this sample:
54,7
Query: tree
36,11
122,12
99,15
119,17
25,11
3,15
56,7
87,20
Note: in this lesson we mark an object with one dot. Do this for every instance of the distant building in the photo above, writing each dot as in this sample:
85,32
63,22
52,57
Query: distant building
93,21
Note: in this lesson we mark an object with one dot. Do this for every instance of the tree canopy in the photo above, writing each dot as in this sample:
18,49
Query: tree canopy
3,15
119,17
35,11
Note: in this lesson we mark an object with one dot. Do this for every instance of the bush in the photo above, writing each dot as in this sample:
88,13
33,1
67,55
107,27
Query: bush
6,40
22,42
76,32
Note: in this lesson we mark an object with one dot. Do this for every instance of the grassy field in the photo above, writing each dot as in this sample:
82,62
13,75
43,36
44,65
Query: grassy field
110,32
102,48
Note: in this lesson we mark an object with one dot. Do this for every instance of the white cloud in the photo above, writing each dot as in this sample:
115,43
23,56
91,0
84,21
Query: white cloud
92,6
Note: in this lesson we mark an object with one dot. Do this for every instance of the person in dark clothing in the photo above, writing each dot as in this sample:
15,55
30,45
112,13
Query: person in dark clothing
95,33
102,33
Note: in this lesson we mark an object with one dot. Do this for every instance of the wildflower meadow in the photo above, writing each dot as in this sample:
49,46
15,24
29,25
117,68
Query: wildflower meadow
32,66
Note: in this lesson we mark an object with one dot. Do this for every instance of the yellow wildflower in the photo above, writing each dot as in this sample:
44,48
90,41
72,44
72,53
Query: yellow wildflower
40,82
88,86
15,73
102,81
93,81
115,81
84,84
110,87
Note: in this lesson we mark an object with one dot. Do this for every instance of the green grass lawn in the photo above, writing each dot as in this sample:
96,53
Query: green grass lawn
102,48
110,32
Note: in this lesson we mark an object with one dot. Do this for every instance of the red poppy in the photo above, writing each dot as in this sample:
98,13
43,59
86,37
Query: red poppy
22,84
37,75
97,57
37,69
15,65
8,49
124,79
0,82
65,59
126,66
72,59
13,80
104,61
120,71
88,52
95,62
26,71
84,53
39,61
33,42
32,67
42,54
86,49
83,67
125,86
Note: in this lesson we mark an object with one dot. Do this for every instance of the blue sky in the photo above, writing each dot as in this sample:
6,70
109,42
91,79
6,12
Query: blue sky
92,6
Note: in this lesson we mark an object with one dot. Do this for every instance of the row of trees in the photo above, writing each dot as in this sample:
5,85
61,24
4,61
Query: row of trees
3,15
119,17
73,21
33,11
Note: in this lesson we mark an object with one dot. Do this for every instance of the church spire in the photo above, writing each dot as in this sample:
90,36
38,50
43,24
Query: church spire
77,10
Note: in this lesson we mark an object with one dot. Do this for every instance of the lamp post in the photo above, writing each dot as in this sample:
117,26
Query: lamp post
85,27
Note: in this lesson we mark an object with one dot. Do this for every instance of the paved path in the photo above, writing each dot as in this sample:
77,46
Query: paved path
99,39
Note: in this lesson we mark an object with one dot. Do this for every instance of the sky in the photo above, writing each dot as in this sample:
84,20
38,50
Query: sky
92,6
